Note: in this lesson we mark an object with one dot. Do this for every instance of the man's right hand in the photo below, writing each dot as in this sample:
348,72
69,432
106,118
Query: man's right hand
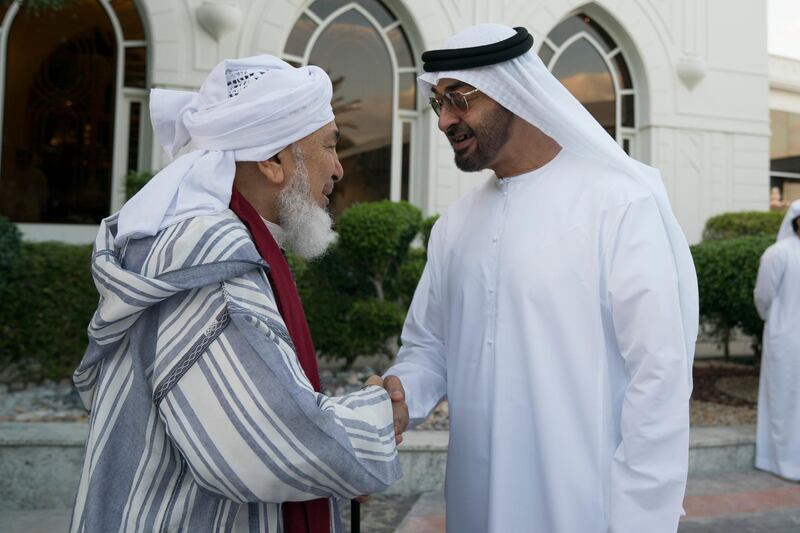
397,394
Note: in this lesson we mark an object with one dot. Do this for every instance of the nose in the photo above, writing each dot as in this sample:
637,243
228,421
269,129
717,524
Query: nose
447,118
338,171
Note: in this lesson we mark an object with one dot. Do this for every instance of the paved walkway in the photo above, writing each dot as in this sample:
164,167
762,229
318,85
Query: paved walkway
741,502
738,502
39,521
381,514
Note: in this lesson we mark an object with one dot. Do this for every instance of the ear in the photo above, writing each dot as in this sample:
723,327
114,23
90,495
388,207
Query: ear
272,170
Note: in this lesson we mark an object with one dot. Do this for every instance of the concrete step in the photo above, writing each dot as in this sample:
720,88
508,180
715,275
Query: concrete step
36,521
715,450
711,450
40,463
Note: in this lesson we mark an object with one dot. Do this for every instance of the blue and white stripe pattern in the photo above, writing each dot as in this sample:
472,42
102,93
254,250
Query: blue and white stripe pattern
201,417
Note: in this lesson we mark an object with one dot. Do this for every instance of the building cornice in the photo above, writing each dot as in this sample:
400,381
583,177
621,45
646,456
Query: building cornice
784,73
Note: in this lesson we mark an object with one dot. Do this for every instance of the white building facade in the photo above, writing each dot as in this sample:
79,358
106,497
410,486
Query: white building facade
784,110
683,85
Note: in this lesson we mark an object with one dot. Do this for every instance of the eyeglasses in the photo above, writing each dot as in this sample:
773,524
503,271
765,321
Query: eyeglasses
454,101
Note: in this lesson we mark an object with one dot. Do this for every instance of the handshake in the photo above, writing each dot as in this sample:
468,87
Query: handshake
394,387
399,408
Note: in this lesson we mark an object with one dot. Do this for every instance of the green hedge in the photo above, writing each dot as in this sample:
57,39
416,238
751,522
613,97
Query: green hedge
373,324
742,224
355,297
376,237
727,264
726,272
135,180
44,310
10,244
427,227
328,290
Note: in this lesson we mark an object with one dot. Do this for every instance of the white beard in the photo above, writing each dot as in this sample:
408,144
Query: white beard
307,225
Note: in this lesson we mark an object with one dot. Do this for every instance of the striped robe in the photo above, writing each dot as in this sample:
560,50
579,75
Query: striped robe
201,418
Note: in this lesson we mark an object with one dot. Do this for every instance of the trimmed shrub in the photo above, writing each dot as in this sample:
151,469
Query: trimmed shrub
726,272
328,290
10,244
376,237
427,227
134,182
403,285
44,310
357,295
730,225
373,325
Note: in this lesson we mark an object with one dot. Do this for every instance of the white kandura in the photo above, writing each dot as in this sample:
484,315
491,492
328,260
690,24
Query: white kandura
777,298
558,313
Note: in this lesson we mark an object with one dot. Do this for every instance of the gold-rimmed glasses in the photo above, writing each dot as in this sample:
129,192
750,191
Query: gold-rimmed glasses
455,101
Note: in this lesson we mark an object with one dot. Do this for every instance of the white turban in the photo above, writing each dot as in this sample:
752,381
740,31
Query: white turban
524,86
246,110
786,226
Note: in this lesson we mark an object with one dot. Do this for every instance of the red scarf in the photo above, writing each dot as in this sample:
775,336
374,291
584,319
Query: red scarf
298,517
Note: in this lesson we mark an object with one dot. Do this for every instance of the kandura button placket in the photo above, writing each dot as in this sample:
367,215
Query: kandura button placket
494,271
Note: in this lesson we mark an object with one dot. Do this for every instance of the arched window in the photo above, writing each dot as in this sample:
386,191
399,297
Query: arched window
366,52
73,87
584,57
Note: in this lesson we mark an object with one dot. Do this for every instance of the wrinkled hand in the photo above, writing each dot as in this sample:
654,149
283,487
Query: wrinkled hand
374,380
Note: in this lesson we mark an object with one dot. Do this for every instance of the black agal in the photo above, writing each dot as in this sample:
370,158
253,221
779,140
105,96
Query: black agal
478,56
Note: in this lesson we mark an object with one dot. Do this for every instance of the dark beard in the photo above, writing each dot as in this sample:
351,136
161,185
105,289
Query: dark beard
489,139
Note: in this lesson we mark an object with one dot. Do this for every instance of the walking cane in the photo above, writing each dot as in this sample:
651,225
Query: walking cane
355,517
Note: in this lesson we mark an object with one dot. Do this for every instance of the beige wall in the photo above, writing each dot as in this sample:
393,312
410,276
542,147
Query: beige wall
710,141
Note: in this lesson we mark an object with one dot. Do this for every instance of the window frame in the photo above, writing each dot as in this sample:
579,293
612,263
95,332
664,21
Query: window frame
124,96
623,134
400,117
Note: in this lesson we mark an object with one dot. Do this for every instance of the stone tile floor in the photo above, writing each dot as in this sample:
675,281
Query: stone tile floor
38,521
783,521
738,502
741,502
380,514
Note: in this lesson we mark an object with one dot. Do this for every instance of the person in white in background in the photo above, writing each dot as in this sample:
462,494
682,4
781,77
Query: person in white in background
777,297
562,334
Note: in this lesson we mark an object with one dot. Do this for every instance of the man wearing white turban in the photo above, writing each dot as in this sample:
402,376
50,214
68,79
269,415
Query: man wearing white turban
777,297
200,375
562,333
